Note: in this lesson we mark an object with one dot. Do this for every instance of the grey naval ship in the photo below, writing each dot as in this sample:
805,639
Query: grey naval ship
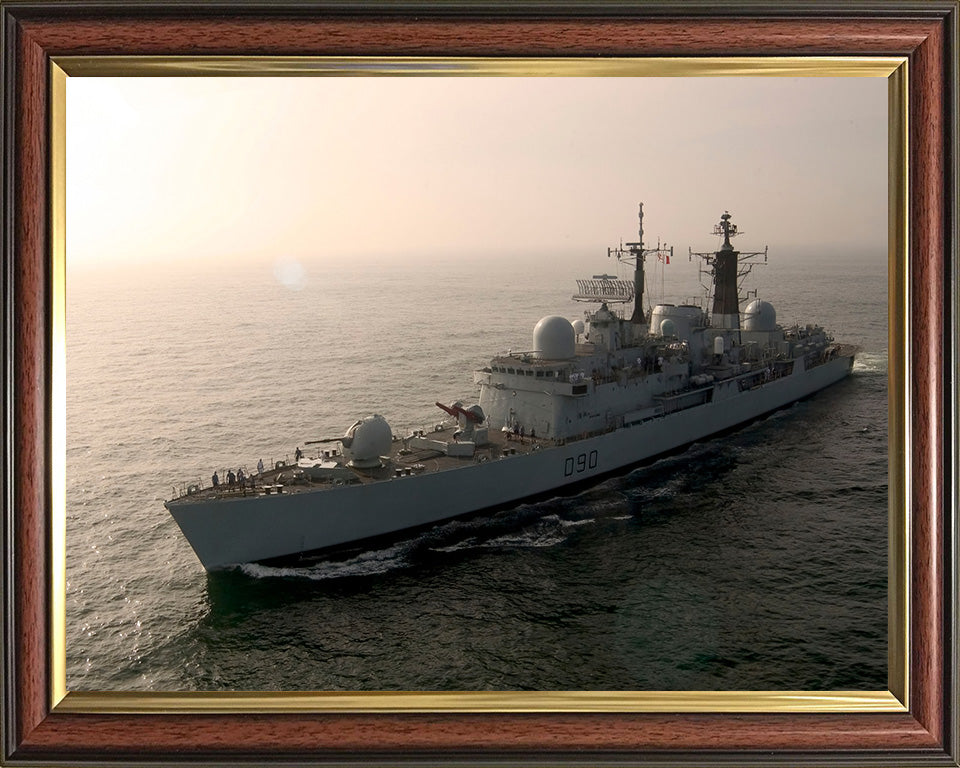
591,397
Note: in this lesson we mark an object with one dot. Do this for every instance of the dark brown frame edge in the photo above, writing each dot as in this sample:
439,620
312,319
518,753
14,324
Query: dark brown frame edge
926,32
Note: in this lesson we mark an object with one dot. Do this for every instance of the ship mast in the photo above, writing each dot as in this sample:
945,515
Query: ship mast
726,304
728,268
636,254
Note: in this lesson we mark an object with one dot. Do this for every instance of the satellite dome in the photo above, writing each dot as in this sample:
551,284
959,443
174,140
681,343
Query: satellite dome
367,440
554,339
668,328
759,316
578,327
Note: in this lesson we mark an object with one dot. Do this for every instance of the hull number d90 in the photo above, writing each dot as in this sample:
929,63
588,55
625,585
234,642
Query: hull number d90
580,463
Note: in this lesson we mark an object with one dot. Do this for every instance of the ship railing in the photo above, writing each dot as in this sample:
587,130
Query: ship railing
525,356
230,492
251,479
219,491
187,489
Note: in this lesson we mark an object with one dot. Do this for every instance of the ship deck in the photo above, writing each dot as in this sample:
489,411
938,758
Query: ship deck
404,460
293,478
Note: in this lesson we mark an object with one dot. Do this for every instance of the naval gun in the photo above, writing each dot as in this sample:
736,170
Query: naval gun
469,421
364,442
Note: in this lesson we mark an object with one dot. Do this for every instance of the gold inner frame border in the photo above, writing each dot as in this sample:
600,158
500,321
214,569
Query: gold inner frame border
895,699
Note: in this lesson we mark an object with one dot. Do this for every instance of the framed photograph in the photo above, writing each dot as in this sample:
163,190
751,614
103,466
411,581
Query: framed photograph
234,231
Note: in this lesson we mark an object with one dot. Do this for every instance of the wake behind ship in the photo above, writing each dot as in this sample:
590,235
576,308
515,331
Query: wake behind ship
591,397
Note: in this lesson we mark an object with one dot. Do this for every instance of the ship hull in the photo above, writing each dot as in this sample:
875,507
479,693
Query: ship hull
225,533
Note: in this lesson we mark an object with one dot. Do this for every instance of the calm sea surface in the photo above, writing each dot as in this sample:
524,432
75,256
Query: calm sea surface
752,561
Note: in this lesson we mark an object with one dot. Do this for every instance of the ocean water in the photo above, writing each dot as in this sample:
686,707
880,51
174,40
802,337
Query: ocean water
756,560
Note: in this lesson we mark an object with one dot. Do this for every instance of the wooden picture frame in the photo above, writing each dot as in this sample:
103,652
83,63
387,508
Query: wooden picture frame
39,731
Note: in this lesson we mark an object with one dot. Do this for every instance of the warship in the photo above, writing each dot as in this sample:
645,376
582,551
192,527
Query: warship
590,398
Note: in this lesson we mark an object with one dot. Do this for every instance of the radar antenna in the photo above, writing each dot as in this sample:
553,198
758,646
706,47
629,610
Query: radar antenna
604,289
726,229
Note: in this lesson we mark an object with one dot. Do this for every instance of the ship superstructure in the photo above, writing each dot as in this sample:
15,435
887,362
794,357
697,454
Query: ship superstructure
612,371
590,397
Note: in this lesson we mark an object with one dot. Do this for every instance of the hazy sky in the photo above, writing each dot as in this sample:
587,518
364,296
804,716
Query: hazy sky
313,168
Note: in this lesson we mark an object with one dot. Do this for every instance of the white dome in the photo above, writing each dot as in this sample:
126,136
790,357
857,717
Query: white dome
668,328
578,327
367,440
668,320
554,339
759,316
